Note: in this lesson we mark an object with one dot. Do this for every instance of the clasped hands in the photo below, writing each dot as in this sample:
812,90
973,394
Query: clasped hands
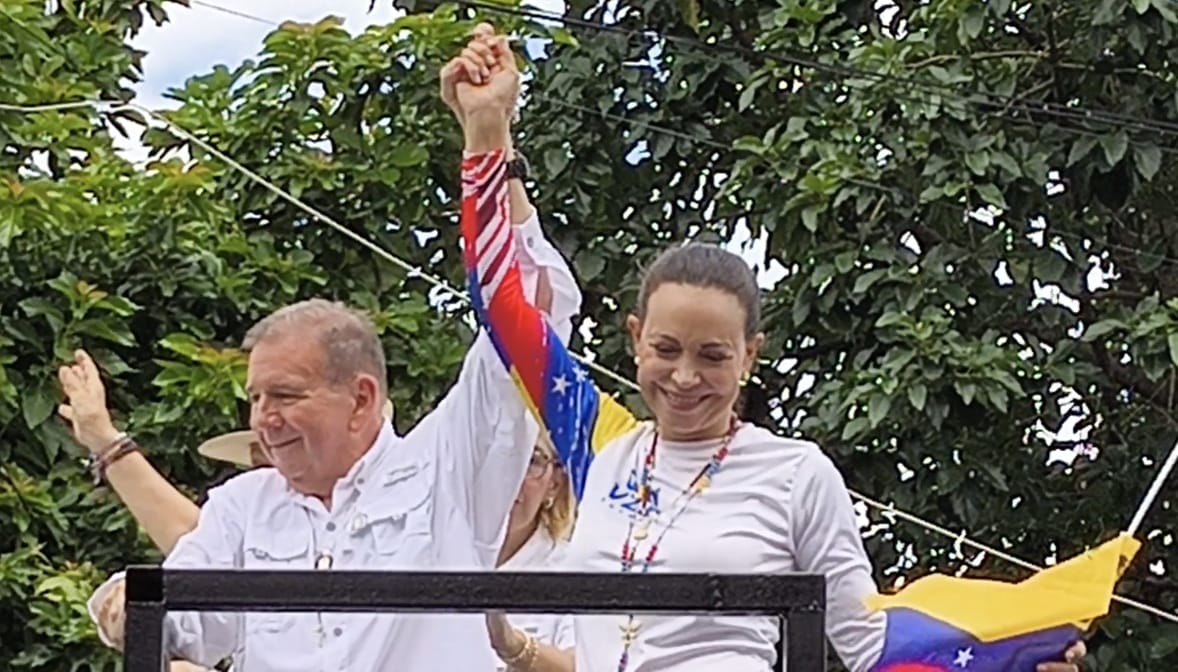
481,87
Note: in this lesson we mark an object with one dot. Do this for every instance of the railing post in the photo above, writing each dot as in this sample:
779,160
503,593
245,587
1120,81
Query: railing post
143,636
805,631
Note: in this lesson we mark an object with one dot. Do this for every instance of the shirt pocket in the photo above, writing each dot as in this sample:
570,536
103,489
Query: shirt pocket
399,521
281,552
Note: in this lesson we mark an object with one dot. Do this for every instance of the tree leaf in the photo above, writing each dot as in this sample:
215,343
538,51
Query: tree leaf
991,194
1114,146
1166,9
1098,329
1148,159
966,390
1080,148
38,404
917,395
978,162
408,155
973,20
810,217
878,409
854,428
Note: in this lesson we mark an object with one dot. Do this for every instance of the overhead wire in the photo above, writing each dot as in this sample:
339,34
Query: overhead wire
112,107
671,132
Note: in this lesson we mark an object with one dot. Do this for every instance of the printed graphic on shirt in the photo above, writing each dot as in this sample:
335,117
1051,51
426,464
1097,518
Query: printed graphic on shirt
625,498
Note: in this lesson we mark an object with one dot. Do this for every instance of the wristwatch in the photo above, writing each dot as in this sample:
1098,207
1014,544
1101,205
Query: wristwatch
518,168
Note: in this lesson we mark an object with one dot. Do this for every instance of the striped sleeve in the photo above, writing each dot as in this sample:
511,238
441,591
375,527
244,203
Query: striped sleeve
554,386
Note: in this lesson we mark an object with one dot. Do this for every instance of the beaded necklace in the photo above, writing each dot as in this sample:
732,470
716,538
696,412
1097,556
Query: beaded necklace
630,546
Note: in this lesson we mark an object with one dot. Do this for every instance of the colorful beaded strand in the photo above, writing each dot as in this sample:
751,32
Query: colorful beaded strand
697,485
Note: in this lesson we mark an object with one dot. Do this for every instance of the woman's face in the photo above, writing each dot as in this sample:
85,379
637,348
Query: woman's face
540,485
692,353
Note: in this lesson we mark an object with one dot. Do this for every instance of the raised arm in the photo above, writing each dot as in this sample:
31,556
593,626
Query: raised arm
555,387
483,432
161,510
557,390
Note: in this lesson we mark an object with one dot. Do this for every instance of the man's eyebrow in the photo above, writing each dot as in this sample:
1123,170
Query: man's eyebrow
280,385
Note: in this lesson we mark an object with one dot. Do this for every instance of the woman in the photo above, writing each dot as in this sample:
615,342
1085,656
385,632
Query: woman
700,490
537,537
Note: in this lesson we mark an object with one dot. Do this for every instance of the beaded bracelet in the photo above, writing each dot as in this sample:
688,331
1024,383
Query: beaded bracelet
122,446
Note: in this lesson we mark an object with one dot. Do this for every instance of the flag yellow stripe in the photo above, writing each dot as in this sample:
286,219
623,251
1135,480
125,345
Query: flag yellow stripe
1074,592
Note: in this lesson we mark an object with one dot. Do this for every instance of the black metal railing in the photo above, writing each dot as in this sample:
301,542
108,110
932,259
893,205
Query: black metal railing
800,600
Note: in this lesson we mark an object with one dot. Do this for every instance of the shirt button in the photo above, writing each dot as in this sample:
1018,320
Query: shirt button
359,522
531,241
331,527
339,631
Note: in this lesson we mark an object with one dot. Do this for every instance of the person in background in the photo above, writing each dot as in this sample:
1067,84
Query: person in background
161,509
537,537
697,490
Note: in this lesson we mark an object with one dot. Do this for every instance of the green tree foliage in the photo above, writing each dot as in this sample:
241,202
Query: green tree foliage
898,163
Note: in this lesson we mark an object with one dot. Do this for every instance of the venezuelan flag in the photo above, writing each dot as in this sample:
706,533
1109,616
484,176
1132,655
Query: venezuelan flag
579,420
941,623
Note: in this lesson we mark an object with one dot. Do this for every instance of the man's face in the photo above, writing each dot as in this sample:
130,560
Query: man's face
304,424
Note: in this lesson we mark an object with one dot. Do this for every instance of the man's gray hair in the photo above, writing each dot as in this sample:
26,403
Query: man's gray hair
347,336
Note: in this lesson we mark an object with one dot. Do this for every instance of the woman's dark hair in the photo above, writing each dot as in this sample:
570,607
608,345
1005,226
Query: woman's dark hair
705,265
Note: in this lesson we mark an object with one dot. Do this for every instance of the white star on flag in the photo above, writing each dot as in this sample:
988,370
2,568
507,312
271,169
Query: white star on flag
560,385
963,658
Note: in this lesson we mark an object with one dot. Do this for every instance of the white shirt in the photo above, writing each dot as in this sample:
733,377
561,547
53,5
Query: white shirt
541,553
434,499
776,505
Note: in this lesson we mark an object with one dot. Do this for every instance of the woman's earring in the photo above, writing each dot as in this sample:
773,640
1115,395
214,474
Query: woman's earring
548,503
637,360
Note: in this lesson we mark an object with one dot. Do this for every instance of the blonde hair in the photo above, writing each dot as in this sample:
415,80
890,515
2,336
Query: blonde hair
557,518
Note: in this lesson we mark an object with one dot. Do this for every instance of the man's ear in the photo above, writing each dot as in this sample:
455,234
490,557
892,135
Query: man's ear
366,398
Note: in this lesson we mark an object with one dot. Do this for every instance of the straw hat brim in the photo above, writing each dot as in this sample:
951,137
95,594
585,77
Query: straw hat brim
234,447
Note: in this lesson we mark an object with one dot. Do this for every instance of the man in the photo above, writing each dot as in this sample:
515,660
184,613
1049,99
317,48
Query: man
345,491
